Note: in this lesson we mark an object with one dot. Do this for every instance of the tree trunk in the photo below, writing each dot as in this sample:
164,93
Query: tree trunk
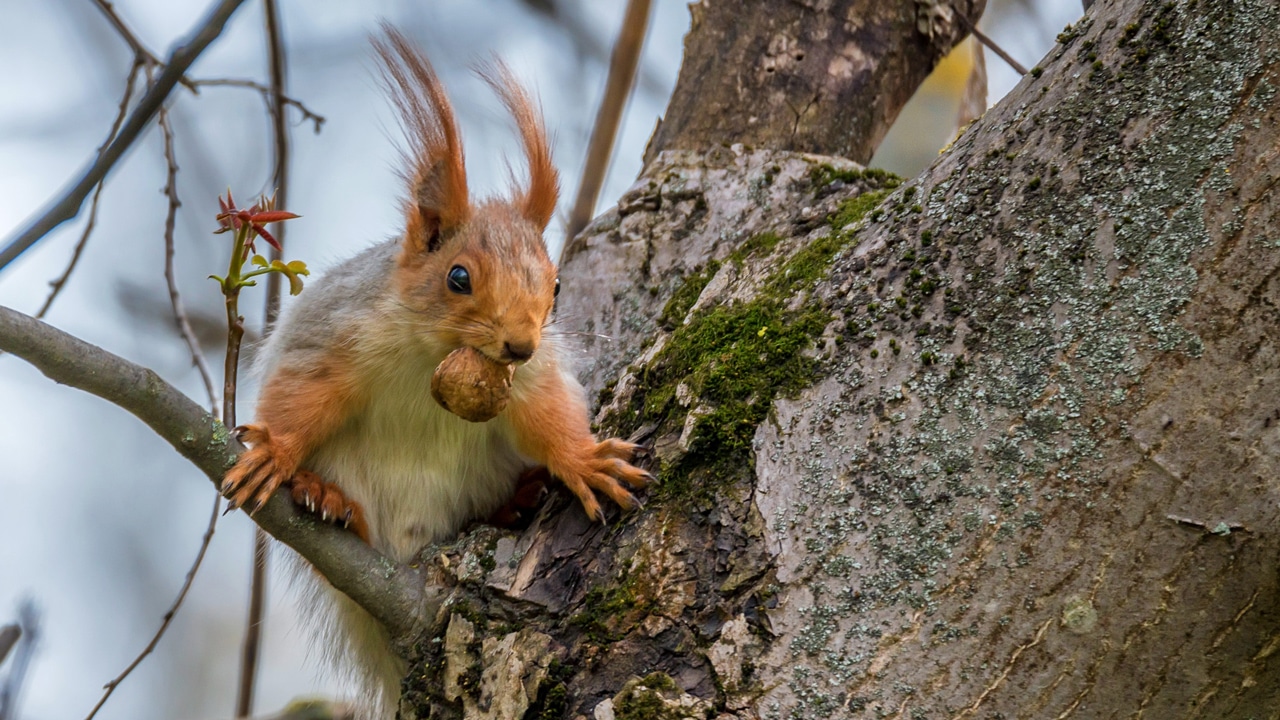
996,443
821,76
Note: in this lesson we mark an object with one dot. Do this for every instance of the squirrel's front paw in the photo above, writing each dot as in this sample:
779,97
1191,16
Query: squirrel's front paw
600,468
329,502
259,472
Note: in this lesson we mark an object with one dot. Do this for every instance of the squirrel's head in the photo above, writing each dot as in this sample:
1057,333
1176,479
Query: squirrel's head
474,275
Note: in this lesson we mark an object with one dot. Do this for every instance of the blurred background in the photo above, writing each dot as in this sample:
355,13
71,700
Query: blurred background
101,519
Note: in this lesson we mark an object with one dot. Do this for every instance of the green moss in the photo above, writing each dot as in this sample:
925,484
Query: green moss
555,704
475,617
605,610
856,208
731,361
644,700
553,694
1130,31
758,245
1159,35
824,174
606,393
685,296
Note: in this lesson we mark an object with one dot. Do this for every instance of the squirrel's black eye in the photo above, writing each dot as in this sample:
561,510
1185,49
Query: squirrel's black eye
557,293
459,280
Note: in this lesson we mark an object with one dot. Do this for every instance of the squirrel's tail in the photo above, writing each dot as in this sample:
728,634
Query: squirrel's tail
351,645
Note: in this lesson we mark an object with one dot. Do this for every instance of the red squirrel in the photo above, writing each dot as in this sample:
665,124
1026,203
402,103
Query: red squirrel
345,415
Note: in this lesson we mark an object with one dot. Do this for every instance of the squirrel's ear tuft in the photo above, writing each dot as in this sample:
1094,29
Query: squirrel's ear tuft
537,202
433,163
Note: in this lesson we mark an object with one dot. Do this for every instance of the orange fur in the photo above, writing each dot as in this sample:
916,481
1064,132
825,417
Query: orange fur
538,201
329,502
347,395
438,201
552,429
505,307
298,409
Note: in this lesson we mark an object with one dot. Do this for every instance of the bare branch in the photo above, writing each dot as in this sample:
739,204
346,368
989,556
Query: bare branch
276,101
622,74
175,299
394,594
991,44
28,638
142,55
267,94
9,635
68,205
170,613
57,285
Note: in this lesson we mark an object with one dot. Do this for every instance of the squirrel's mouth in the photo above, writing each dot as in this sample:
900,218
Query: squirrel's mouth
502,356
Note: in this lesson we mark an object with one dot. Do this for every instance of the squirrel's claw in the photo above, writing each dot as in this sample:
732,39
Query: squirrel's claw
328,501
259,472
605,470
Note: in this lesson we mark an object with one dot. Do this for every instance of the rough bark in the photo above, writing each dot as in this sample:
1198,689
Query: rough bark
999,446
818,76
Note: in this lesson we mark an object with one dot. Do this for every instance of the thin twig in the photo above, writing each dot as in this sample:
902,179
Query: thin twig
267,95
175,299
68,205
622,74
29,639
123,30
140,51
9,635
280,142
991,44
252,646
170,613
56,285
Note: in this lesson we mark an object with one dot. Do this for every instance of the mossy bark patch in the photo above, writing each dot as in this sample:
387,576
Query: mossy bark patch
717,374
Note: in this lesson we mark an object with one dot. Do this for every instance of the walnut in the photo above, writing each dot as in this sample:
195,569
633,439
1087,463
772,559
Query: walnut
470,385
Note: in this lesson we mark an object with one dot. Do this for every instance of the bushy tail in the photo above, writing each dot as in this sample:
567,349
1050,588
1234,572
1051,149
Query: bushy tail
348,642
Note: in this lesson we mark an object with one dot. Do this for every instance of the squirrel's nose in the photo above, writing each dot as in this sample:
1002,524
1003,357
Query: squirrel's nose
518,351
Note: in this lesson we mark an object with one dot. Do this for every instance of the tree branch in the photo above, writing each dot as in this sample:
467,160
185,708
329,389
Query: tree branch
622,75
67,206
991,44
55,286
9,635
394,594
175,298
268,94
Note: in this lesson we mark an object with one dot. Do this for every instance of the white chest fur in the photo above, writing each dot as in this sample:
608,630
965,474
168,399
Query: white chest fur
419,471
